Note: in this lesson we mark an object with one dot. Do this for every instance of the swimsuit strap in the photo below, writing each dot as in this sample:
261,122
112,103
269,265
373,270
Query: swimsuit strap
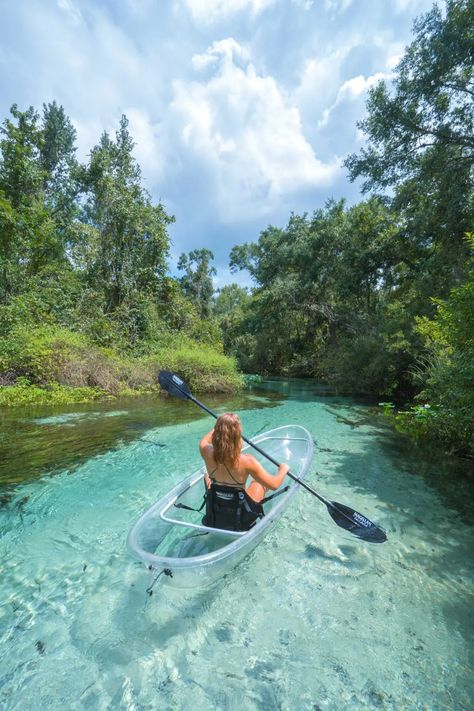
214,481
232,476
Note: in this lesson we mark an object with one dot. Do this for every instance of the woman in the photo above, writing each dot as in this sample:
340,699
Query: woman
229,503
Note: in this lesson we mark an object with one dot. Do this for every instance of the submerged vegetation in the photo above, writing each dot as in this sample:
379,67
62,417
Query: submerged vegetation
374,298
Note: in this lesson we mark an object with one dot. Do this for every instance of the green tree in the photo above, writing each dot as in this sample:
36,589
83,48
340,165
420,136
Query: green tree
420,133
28,238
289,306
57,160
230,309
197,279
324,287
447,375
229,299
123,244
21,175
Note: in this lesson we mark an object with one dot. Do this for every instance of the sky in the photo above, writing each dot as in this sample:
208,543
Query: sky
242,111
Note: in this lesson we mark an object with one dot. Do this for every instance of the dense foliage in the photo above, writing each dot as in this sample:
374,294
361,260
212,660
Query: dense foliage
85,300
447,378
325,287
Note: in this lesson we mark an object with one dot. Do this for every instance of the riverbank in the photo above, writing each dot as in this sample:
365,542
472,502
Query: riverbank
58,366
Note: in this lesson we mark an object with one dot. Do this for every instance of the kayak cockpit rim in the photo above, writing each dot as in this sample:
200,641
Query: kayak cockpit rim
201,527
195,526
236,542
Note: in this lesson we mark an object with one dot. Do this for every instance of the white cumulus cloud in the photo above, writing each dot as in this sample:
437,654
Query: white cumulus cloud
149,142
242,124
227,49
351,89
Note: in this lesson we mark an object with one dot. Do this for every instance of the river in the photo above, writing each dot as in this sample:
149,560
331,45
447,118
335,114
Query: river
313,618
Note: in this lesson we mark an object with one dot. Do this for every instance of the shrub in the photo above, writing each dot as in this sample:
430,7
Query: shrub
447,374
46,298
51,364
204,369
52,354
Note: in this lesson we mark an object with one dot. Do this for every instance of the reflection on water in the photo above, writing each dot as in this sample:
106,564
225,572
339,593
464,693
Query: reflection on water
313,619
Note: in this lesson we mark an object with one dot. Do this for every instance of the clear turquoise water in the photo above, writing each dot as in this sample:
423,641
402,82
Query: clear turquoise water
313,619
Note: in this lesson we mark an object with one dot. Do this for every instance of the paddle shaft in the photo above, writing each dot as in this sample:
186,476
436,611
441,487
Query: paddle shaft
268,456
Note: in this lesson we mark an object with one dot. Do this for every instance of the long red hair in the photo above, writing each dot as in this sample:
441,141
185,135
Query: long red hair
227,439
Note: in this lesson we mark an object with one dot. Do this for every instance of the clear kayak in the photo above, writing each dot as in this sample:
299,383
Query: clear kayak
173,540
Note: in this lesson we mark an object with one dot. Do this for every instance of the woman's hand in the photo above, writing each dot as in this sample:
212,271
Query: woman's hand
283,470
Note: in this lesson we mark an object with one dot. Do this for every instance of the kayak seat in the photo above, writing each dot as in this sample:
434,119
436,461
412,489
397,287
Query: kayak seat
230,508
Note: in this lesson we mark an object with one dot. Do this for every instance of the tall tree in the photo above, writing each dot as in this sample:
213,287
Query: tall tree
58,162
126,233
28,238
21,175
197,279
420,133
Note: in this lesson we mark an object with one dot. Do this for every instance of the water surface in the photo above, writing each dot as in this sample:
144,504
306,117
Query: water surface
313,619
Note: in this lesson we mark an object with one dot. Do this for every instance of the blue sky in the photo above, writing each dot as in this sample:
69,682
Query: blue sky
242,110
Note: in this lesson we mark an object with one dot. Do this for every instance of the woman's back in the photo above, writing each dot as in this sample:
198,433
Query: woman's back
233,476
230,504
225,464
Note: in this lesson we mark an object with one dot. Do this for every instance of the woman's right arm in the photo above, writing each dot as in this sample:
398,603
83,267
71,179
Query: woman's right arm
205,449
269,481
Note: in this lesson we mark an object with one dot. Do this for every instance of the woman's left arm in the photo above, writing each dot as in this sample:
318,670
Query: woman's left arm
205,442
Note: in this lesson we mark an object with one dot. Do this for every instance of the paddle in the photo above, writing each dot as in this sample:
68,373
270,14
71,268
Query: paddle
343,516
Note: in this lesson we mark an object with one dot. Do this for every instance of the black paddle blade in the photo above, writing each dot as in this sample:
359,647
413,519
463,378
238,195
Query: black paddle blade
356,523
174,385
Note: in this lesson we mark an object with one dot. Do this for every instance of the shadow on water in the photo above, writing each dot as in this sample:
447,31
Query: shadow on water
404,465
425,495
168,625
302,389
449,478
182,611
35,441
426,503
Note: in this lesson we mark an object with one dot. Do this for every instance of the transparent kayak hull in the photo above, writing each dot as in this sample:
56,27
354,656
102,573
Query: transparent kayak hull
173,540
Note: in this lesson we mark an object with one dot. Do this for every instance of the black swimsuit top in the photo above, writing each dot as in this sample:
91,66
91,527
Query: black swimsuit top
225,483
